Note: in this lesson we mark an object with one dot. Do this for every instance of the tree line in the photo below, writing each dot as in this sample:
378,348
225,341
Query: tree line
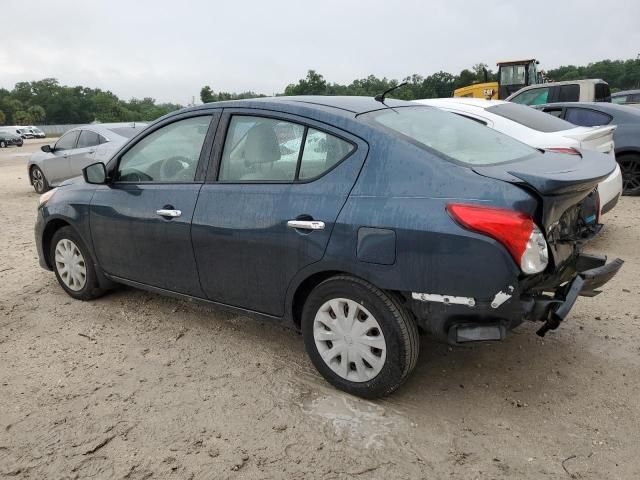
46,101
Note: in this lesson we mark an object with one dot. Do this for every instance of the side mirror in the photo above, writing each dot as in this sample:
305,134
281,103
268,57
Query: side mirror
95,174
46,148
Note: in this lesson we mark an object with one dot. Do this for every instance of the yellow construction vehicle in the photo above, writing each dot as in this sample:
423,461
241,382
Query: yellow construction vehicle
512,76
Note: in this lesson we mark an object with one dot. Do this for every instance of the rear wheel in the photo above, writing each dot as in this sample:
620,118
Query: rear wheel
73,266
359,337
630,167
38,180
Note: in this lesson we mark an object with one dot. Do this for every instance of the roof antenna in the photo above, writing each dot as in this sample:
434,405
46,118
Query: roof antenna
380,96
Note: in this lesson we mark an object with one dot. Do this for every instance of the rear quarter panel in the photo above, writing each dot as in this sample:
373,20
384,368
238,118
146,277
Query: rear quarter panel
406,189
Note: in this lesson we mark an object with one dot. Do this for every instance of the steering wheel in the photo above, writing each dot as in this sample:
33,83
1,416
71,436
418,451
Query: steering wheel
172,167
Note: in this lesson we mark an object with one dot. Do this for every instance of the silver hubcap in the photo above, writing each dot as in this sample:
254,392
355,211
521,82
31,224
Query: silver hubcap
349,339
70,264
38,179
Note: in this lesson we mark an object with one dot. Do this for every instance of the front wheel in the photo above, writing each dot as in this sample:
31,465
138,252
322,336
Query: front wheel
38,180
630,167
73,266
359,337
3,144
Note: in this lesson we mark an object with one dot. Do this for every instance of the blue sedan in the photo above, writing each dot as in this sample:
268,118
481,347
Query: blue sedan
361,221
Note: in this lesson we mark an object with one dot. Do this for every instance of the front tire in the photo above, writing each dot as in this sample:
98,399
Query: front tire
360,338
39,181
3,144
630,167
73,266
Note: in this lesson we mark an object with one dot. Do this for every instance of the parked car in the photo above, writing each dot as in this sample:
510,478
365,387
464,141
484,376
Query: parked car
37,133
593,90
540,131
626,135
627,97
8,138
24,132
76,149
398,216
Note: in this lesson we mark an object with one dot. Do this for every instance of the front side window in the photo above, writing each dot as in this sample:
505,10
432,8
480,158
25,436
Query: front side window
535,96
169,154
267,149
67,141
586,117
569,93
621,99
88,139
455,137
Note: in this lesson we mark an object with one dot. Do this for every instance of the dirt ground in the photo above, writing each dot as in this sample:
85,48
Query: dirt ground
137,386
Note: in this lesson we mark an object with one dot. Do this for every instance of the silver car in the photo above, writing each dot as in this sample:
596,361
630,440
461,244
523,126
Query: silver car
76,149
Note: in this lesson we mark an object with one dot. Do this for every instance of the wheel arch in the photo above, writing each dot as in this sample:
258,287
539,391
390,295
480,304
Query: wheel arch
49,231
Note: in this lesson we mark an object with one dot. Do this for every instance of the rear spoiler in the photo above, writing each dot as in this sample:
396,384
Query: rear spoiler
593,133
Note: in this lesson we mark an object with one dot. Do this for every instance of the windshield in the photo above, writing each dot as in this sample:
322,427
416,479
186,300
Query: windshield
456,137
512,75
530,117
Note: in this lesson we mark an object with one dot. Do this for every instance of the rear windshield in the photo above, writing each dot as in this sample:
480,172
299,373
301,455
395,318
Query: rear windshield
127,132
530,117
455,137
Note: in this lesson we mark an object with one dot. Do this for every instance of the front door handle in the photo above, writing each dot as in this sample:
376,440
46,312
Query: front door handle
168,213
306,224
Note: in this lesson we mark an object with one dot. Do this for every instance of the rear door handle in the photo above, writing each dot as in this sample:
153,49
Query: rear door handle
168,213
306,224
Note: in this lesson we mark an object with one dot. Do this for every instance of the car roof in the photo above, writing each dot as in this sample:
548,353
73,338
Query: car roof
624,92
468,101
353,105
614,109
106,129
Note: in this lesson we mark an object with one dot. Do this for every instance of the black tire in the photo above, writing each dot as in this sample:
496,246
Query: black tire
630,167
91,288
399,330
3,144
38,180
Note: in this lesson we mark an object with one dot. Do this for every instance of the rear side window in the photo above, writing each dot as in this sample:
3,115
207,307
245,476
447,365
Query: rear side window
88,139
586,117
321,152
454,137
530,117
535,96
260,149
603,92
568,93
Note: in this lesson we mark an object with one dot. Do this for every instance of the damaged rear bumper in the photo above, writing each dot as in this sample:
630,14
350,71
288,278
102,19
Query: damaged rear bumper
552,311
545,298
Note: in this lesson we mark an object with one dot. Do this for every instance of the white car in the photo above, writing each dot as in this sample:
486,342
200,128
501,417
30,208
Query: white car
540,131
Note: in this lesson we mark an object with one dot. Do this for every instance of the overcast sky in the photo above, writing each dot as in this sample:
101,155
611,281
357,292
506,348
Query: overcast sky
170,49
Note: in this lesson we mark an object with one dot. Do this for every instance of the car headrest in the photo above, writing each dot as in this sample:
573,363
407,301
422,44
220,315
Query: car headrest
261,145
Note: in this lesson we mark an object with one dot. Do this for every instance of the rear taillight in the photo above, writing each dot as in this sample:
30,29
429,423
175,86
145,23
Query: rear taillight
515,230
568,151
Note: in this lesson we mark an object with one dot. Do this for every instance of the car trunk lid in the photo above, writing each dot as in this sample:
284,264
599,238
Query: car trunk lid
599,139
565,187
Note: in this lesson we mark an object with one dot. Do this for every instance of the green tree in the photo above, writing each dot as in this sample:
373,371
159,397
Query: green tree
37,113
3,118
22,118
206,94
312,84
